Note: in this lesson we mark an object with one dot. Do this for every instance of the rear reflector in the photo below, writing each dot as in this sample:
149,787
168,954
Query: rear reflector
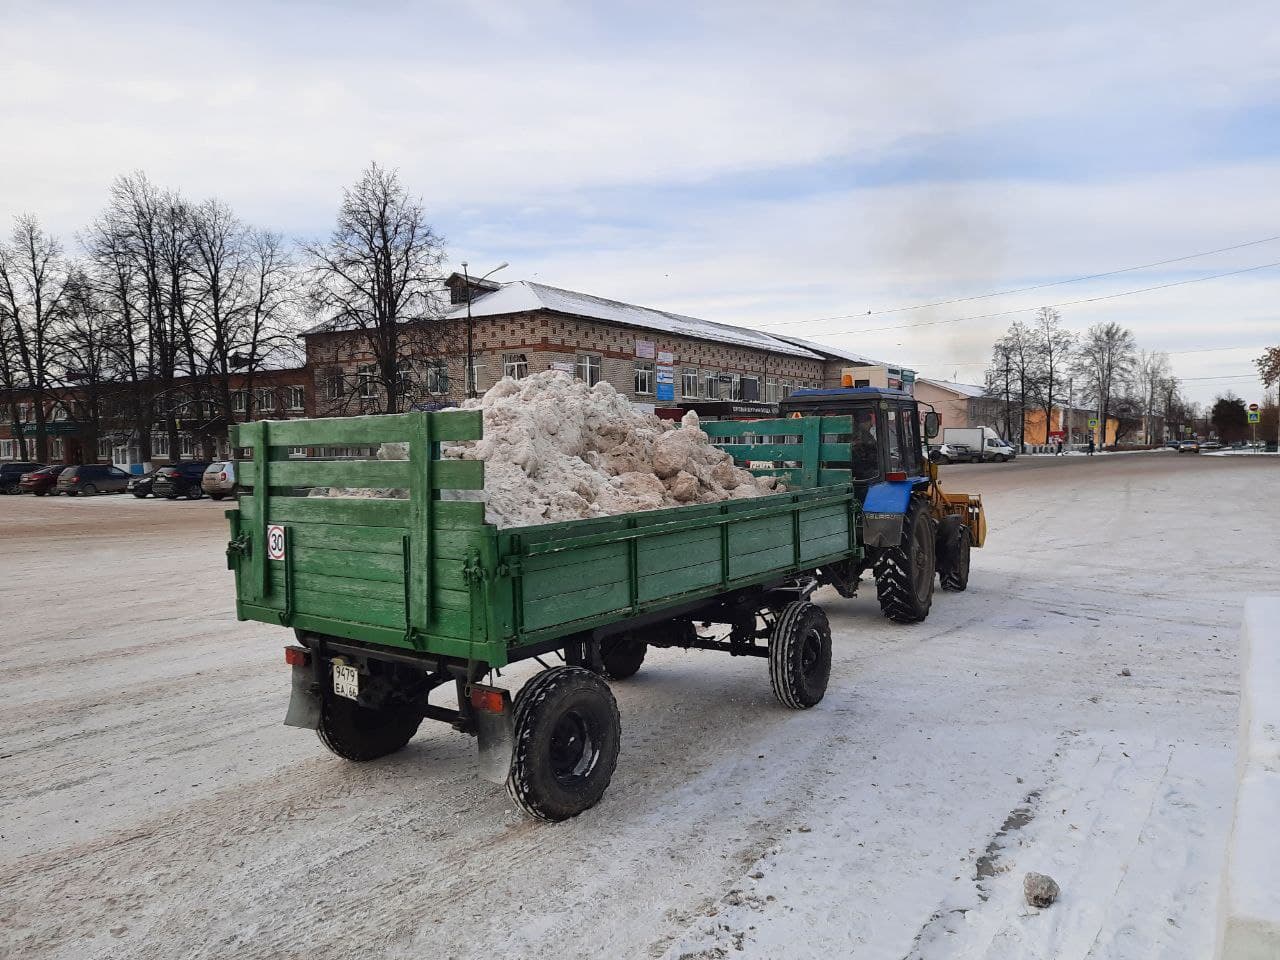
895,475
487,698
296,656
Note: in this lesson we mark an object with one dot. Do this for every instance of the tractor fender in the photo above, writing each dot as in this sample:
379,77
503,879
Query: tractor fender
882,512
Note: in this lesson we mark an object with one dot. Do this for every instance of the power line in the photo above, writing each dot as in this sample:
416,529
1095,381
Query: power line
1065,303
1172,353
1038,286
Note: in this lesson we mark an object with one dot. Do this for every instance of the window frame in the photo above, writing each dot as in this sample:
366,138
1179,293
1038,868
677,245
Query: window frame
593,363
515,366
298,391
644,371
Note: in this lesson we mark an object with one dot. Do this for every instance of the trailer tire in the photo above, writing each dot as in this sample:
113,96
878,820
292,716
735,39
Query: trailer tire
954,547
800,655
622,656
566,737
359,733
904,574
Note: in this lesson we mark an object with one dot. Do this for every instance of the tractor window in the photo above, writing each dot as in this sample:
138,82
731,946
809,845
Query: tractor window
894,462
864,446
910,424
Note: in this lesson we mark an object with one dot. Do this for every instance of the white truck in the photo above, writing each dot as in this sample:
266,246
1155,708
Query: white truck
977,444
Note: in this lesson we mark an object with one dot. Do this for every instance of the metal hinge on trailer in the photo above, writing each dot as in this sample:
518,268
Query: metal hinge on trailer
239,548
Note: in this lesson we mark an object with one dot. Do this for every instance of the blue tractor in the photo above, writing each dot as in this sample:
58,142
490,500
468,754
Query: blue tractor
913,531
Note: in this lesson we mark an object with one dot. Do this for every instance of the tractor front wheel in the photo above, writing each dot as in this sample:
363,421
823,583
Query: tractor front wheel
800,655
904,574
954,545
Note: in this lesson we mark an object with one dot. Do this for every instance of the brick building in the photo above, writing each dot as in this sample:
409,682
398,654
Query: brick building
76,438
651,356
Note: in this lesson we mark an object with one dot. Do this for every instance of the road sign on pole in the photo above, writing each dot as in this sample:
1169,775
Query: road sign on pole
1093,423
1255,416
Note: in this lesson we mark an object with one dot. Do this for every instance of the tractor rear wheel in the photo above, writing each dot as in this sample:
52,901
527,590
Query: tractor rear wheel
953,547
566,738
904,574
622,656
360,733
800,655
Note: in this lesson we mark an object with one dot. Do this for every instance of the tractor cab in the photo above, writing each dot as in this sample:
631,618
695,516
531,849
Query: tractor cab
886,445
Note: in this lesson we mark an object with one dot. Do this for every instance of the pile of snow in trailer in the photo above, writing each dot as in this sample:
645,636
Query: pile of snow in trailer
555,449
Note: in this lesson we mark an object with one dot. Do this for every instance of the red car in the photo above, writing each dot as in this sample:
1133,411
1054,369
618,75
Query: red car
42,481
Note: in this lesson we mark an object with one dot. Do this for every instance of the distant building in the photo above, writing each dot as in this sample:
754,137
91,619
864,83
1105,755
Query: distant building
651,356
960,404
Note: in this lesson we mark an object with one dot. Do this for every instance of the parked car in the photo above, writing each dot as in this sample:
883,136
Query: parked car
140,484
1189,446
11,474
1174,444
180,480
1210,445
90,478
949,453
42,481
219,479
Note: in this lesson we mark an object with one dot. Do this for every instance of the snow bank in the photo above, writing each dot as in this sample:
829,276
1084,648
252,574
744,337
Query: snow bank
1249,902
555,449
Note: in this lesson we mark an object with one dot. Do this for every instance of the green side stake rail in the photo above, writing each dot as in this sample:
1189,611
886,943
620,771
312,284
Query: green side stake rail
401,586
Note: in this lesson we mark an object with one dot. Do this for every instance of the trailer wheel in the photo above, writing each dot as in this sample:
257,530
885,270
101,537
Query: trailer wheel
904,574
800,655
567,733
954,546
359,733
622,656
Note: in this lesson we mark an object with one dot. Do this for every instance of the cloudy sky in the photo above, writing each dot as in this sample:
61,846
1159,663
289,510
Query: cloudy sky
799,167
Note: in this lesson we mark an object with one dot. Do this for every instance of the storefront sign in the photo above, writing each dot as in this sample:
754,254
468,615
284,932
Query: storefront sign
644,349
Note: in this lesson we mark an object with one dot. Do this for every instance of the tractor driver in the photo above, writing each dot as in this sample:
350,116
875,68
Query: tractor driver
865,449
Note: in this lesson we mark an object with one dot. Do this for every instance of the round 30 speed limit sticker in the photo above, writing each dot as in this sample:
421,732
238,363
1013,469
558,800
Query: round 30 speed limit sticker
275,542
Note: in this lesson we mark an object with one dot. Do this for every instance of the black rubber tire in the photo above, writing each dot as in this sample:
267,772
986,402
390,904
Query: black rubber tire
216,496
361,733
566,738
622,656
800,655
904,574
73,493
194,492
954,544
88,489
140,496
40,493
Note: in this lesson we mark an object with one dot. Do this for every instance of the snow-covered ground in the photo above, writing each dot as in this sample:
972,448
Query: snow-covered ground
155,807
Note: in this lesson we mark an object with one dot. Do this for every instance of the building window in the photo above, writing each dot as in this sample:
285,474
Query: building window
239,400
295,398
6,449
104,448
159,442
55,448
297,452
587,369
644,378
265,400
750,388
785,387
711,382
771,389
59,412
477,373
689,382
188,444
405,387
368,381
438,377
515,366
334,386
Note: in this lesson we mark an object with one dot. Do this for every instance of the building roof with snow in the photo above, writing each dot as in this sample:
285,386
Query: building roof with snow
960,389
523,296
838,353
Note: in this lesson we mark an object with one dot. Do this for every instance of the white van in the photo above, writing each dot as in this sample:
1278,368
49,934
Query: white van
983,443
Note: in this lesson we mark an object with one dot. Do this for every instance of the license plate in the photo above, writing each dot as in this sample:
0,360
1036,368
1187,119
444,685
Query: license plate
346,681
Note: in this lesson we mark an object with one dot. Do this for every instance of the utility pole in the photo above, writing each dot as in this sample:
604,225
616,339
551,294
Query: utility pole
1071,395
1008,417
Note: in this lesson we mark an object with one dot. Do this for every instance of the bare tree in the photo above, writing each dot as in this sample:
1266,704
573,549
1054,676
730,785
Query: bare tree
1269,368
1104,361
87,345
33,279
1053,345
1015,373
11,377
377,276
1151,372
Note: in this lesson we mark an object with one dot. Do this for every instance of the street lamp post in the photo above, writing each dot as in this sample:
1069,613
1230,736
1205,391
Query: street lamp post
471,363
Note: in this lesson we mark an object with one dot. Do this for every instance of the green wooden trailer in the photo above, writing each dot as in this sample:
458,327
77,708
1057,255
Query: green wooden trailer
392,595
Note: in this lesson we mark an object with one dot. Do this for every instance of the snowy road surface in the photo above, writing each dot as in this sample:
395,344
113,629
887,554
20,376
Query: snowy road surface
154,806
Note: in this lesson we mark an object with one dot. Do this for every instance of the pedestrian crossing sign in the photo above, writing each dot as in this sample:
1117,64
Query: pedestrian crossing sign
1255,416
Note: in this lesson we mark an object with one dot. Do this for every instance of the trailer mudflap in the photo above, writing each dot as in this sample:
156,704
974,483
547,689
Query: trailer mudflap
304,699
493,717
